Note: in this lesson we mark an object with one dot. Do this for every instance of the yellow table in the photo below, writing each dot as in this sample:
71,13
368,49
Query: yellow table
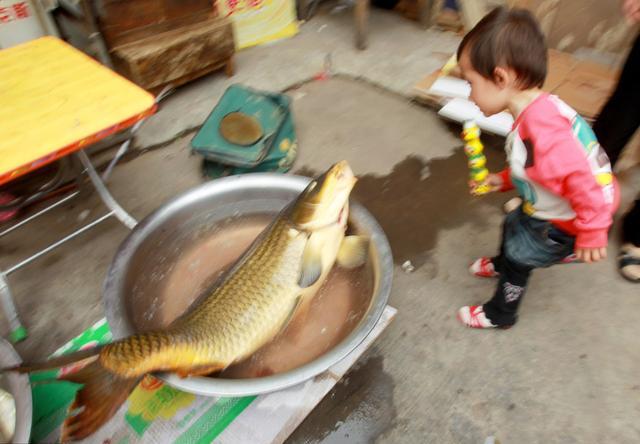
54,101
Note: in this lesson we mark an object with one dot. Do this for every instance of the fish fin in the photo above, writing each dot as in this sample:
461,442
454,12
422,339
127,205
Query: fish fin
202,370
311,263
95,403
298,315
290,316
58,362
353,251
302,308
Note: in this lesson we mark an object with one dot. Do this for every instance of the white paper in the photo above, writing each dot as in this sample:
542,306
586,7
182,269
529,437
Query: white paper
462,110
447,86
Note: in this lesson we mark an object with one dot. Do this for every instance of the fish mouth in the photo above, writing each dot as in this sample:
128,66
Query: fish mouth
345,174
341,219
342,214
325,200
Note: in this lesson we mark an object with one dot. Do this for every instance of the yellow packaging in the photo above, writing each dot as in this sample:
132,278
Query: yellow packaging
256,22
480,175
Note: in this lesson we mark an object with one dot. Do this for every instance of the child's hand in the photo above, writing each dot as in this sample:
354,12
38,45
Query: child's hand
631,10
589,255
493,181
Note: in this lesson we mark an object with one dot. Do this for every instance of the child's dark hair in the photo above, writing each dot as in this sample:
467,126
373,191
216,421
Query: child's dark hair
509,37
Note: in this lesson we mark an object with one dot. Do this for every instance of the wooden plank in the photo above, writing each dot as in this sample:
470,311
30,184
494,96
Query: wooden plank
361,13
559,65
472,11
587,87
425,12
175,56
421,91
118,37
124,21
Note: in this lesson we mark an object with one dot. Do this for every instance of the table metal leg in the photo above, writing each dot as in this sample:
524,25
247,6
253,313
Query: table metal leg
127,143
18,332
121,152
39,213
104,194
56,244
425,8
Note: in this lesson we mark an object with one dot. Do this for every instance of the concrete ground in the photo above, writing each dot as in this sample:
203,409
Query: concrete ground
567,373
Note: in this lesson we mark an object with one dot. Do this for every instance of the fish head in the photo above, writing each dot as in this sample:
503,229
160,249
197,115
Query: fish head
325,201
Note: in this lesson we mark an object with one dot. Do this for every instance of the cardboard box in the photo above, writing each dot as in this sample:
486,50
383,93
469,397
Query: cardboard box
573,24
156,412
585,86
559,65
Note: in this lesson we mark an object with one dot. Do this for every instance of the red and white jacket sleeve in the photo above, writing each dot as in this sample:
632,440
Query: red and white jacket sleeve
561,166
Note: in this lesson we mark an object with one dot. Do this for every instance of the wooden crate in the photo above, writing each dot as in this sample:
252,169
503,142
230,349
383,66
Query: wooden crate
177,56
125,21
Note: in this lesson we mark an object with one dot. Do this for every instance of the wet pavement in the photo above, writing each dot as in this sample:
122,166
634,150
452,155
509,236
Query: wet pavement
568,372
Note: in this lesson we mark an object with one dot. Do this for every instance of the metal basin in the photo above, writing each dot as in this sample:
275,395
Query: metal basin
178,251
18,386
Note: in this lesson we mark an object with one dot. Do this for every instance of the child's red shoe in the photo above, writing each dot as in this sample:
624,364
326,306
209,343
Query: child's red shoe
483,267
473,316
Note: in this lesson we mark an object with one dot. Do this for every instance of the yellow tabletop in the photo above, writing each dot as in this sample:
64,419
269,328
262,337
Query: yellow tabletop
55,100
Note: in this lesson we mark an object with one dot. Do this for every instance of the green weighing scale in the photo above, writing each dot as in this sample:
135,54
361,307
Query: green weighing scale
248,131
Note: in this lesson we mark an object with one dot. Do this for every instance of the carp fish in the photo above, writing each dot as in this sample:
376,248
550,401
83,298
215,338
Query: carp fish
273,280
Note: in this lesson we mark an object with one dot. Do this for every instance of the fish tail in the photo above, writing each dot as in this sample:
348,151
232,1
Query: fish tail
60,361
140,354
95,403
